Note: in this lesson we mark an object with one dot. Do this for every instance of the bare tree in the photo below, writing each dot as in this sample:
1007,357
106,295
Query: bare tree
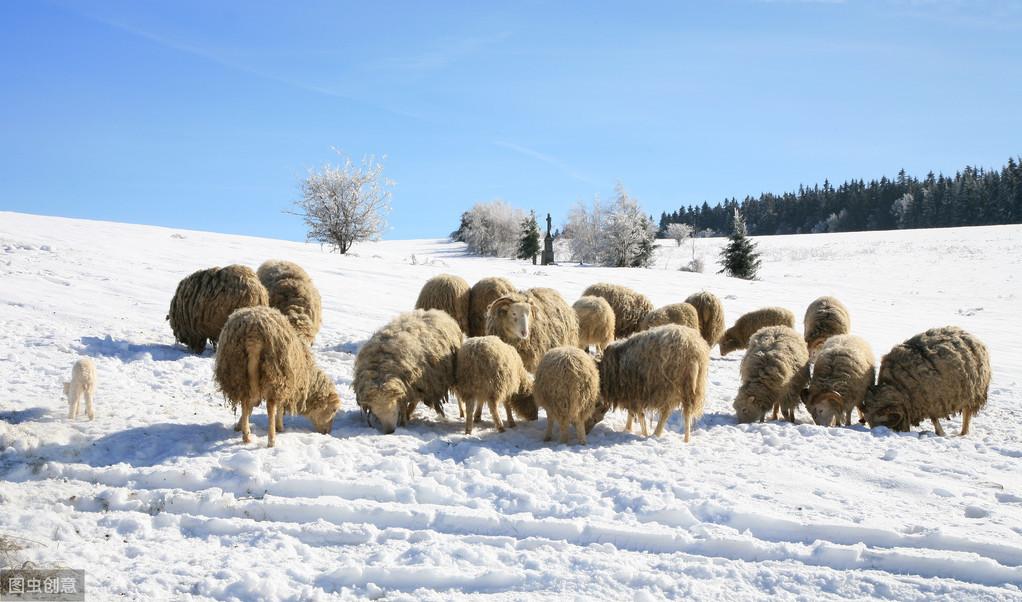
347,204
584,231
679,232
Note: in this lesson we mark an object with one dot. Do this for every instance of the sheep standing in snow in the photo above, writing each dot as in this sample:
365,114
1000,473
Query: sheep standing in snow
825,317
595,322
82,384
204,300
774,371
483,293
711,315
448,293
844,370
682,314
935,374
489,371
411,359
293,294
661,369
737,337
629,306
261,357
567,386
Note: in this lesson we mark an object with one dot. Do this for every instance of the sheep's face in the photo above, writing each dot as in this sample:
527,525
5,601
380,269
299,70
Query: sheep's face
599,411
746,408
728,344
517,318
825,407
322,416
886,408
384,406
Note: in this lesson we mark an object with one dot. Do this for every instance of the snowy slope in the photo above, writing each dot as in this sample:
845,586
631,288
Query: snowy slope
158,498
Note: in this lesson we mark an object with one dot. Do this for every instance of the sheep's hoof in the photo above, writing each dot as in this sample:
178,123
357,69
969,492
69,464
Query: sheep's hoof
500,429
246,439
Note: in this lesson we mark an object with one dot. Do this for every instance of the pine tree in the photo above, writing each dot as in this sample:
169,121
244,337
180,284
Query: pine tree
739,258
528,244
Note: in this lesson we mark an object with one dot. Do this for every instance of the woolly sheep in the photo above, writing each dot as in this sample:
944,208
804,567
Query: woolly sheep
411,359
682,314
82,384
711,315
737,337
204,300
595,322
661,369
533,322
825,317
774,371
567,386
261,357
629,306
936,374
483,293
448,293
489,371
292,292
844,370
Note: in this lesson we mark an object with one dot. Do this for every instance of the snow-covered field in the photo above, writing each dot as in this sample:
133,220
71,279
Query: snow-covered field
159,499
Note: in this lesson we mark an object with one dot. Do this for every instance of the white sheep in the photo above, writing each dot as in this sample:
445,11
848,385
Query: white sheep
844,370
567,386
825,317
774,371
82,384
737,337
489,371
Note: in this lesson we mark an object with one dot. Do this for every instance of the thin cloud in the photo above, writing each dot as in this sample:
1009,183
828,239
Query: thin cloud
443,54
544,158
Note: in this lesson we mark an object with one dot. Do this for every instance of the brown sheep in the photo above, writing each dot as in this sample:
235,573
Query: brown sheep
483,293
293,294
844,370
629,306
737,337
825,317
489,371
711,315
567,386
204,300
448,293
774,371
595,322
682,314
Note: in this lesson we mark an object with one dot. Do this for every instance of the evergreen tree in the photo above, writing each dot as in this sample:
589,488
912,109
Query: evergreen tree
528,244
739,258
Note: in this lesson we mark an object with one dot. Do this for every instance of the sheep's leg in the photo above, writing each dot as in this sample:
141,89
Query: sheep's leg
628,423
777,409
862,416
642,423
549,429
271,413
789,414
246,411
688,425
966,419
936,427
479,412
580,430
510,415
495,414
562,426
470,417
660,423
89,409
72,410
280,421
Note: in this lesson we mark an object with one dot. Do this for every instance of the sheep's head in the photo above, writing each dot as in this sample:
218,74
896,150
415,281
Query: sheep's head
323,405
599,411
826,407
814,345
746,408
513,314
728,343
886,406
384,404
524,406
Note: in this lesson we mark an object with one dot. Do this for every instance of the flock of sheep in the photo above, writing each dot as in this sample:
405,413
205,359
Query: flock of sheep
518,351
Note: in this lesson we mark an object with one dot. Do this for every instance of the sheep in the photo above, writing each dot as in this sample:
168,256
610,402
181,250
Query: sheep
204,300
448,293
711,315
737,337
935,374
82,384
483,293
595,322
533,322
662,369
567,386
682,314
774,371
825,317
489,371
411,359
630,307
844,370
292,292
261,357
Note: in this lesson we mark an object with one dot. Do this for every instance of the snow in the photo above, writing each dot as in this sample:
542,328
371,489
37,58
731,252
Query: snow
158,498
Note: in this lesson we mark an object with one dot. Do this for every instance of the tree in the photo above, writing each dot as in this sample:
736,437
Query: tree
528,244
346,204
459,234
619,235
739,258
492,229
584,229
679,232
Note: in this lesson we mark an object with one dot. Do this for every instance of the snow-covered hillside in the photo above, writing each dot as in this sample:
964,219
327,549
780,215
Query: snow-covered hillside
159,499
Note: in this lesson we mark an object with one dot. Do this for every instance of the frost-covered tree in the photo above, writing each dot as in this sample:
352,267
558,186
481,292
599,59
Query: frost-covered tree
615,235
739,258
342,205
492,229
679,232
584,230
528,243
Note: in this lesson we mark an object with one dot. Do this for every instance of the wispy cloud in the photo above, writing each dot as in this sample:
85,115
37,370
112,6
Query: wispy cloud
544,158
442,53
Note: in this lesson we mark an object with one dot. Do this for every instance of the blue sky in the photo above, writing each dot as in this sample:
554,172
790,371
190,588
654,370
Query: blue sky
197,114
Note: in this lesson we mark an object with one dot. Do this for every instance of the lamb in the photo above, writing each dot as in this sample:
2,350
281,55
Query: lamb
204,300
711,315
82,384
483,293
448,293
629,306
567,386
844,370
489,371
682,314
774,371
292,292
825,317
662,369
411,359
261,357
595,322
935,374
737,337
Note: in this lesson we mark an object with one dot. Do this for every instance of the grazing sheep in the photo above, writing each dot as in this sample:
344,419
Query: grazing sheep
533,322
292,292
774,371
489,371
825,318
682,314
82,384
711,315
260,356
595,322
662,369
448,293
737,337
844,370
411,359
483,293
204,300
567,386
936,374
629,306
